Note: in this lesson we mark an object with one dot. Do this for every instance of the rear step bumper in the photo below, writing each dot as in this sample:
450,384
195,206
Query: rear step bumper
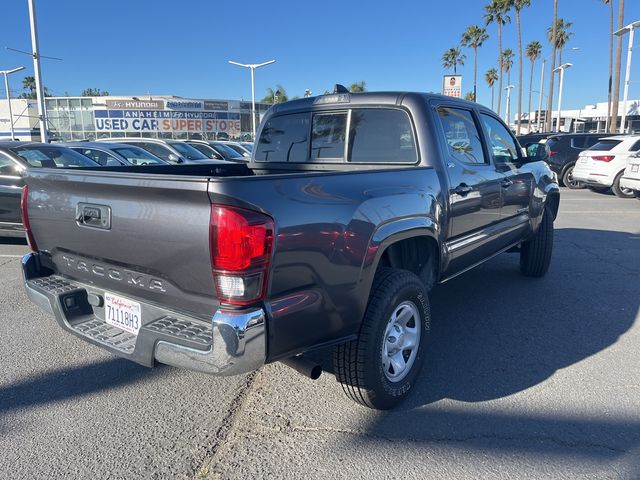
230,343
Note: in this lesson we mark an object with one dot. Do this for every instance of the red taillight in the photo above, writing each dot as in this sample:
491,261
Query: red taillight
241,246
604,158
552,153
25,219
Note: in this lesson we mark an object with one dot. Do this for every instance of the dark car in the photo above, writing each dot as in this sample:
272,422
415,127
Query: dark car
115,154
564,149
15,159
171,151
217,150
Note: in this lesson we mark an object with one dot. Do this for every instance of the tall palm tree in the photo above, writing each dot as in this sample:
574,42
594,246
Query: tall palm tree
548,118
610,3
497,12
473,37
452,58
518,6
506,62
562,36
613,126
491,77
533,52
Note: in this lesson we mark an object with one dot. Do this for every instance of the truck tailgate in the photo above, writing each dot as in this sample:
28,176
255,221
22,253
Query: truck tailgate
139,235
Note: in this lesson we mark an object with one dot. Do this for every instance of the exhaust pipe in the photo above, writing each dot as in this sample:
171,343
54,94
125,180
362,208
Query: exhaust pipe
305,367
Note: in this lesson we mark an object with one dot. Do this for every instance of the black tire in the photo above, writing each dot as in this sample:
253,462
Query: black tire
620,192
358,364
535,254
569,182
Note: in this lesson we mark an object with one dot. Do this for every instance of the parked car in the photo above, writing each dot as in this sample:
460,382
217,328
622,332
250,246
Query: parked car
114,154
602,166
631,177
214,149
238,148
564,149
352,207
15,159
247,145
171,151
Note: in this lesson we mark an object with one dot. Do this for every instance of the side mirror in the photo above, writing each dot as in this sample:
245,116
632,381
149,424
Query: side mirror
536,152
173,158
216,156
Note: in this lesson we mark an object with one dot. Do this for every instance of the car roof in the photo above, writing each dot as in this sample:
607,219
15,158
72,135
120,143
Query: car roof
12,144
105,145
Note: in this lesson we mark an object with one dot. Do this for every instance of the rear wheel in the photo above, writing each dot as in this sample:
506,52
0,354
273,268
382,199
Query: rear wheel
620,191
535,254
569,182
378,370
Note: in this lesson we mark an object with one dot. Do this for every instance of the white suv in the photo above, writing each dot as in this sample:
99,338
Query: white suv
631,176
602,166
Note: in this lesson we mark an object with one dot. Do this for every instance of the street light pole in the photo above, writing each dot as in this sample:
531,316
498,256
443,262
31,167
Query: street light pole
6,74
544,63
252,67
508,106
42,113
631,29
561,69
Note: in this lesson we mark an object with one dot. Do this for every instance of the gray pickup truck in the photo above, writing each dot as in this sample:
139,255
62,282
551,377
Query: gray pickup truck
352,207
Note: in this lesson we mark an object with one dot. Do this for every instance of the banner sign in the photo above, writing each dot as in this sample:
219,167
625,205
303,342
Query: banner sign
166,121
137,104
452,86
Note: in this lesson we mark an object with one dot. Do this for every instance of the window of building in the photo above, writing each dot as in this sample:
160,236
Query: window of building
462,135
381,136
502,145
284,139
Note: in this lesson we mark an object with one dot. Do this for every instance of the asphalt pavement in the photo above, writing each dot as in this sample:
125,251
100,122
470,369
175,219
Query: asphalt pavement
525,378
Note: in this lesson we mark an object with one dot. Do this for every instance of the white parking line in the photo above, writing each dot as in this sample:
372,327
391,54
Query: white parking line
11,256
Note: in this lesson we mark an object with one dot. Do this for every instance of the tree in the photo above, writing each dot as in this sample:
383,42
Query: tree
506,62
533,52
29,83
452,58
548,118
519,5
278,95
469,96
497,12
473,37
358,87
491,77
613,126
94,92
610,3
562,35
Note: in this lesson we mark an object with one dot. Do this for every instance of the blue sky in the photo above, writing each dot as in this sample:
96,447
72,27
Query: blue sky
181,48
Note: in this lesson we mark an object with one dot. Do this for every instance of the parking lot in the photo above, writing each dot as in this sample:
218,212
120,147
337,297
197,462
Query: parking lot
525,378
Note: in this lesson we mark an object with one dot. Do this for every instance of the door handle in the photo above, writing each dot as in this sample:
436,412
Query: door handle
463,189
506,183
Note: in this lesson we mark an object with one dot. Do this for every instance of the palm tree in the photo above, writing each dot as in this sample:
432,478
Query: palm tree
610,3
358,87
533,52
562,36
491,77
278,95
613,126
506,62
519,5
452,58
473,37
548,118
497,12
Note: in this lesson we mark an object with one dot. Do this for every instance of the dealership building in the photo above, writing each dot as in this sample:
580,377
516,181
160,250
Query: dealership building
90,118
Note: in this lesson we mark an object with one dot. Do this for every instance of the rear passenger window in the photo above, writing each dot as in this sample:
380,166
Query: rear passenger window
461,132
381,136
284,139
503,146
328,136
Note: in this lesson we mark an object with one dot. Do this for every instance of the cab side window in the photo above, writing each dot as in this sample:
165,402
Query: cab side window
462,135
502,146
8,167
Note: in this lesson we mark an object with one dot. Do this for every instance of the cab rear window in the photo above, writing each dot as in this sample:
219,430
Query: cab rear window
362,135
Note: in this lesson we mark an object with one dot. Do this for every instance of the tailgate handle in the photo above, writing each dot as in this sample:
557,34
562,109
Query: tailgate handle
93,216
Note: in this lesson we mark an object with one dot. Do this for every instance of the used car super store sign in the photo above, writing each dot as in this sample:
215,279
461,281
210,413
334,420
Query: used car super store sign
161,116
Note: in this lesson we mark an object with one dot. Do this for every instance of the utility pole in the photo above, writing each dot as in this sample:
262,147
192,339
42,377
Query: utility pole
631,29
544,62
554,33
561,69
42,112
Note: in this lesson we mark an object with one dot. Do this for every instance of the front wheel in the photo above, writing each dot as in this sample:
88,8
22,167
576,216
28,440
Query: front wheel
378,370
535,254
569,182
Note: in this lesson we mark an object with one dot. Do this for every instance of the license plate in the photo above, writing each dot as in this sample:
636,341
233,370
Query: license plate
122,313
635,168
